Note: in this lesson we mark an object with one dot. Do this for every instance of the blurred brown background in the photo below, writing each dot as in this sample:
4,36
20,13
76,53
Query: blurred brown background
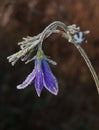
77,105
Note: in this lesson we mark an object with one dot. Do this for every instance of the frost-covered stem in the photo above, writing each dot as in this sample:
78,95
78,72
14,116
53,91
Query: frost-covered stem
51,28
85,57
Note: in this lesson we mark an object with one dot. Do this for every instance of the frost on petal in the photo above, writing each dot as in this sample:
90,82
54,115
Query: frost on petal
50,81
27,81
38,77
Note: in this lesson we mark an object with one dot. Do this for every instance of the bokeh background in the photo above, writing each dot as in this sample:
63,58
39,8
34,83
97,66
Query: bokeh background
76,107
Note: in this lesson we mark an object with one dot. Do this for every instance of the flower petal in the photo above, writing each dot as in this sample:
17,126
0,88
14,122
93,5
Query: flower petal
27,81
50,82
38,77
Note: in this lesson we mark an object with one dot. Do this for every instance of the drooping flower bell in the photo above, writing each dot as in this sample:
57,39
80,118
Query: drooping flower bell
41,75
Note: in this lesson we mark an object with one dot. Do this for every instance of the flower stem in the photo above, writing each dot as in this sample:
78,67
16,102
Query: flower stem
85,57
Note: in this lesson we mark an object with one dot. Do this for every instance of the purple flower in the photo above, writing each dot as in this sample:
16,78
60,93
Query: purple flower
42,77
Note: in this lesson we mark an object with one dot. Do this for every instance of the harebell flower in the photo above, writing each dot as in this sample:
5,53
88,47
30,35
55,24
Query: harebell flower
42,75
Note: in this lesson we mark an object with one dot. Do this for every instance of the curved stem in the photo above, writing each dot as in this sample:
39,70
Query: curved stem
85,57
52,27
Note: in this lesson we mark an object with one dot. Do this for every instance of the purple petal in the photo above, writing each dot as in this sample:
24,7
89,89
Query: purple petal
38,77
27,81
50,81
